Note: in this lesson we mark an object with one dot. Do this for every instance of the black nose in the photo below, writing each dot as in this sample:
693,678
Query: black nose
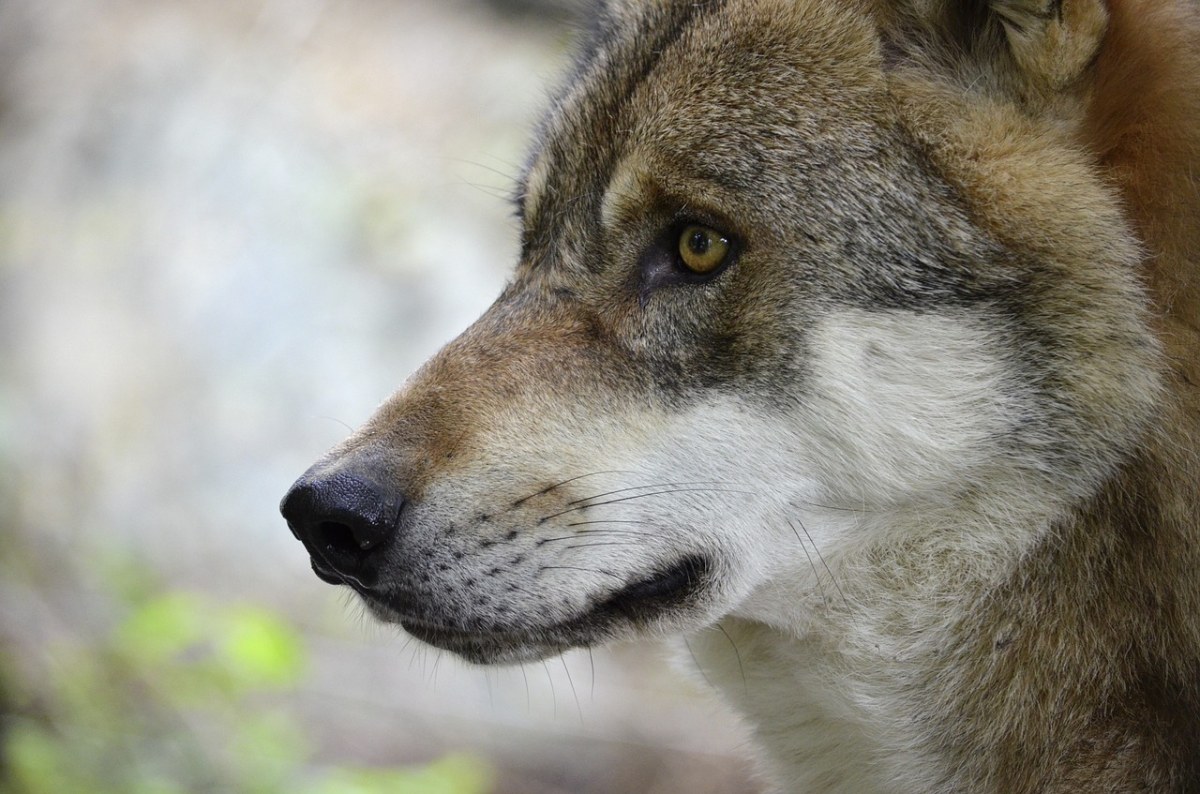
345,520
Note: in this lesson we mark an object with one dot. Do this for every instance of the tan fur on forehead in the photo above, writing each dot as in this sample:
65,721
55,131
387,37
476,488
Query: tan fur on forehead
644,176
627,190
686,138
533,189
809,51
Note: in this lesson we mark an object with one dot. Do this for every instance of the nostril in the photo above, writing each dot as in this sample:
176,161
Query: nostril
334,537
342,538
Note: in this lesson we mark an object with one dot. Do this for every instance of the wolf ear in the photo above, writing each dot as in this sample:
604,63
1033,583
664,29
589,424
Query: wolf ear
1051,43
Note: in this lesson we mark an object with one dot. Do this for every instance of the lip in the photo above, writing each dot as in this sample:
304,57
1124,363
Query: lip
325,575
507,646
669,590
331,576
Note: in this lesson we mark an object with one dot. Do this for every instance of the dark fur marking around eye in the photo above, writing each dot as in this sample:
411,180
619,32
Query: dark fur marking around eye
660,264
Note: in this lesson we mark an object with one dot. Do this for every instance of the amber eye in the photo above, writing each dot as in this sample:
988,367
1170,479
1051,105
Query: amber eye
702,249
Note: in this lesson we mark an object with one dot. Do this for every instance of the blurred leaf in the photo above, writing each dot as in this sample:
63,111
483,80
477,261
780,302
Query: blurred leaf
163,627
260,649
453,774
138,712
270,748
126,577
34,759
42,760
157,785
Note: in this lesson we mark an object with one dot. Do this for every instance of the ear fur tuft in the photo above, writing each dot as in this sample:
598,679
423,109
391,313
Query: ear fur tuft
1053,41
1032,46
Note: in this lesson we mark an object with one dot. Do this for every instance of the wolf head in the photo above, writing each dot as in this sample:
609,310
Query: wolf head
801,283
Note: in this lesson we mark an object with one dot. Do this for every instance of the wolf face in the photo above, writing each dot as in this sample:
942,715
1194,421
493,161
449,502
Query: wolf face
632,439
827,323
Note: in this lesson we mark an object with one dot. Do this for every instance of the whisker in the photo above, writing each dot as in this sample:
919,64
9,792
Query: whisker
571,682
553,694
811,562
608,543
423,660
577,568
738,654
437,661
335,419
550,488
503,174
641,496
616,533
643,487
824,564
839,509
493,191
695,661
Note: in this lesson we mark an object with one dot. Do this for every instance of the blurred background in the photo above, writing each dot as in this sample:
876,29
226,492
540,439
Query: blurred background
228,229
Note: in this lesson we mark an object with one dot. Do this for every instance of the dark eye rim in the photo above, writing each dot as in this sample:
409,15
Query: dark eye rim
661,266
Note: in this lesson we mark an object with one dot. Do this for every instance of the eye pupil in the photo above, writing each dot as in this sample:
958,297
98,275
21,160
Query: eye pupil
700,242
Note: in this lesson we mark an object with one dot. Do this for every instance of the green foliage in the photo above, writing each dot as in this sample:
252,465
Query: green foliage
454,774
259,649
186,694
205,650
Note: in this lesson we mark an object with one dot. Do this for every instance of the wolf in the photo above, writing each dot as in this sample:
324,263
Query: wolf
857,342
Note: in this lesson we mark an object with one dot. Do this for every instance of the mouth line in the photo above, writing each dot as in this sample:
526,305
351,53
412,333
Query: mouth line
637,604
330,576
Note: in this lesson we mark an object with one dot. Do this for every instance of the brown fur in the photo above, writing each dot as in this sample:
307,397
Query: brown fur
1125,566
1144,123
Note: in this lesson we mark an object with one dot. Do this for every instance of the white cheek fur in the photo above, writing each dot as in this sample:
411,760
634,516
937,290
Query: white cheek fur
904,404
900,406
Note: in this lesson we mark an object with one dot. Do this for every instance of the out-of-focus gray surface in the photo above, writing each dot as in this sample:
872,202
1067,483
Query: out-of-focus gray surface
227,230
